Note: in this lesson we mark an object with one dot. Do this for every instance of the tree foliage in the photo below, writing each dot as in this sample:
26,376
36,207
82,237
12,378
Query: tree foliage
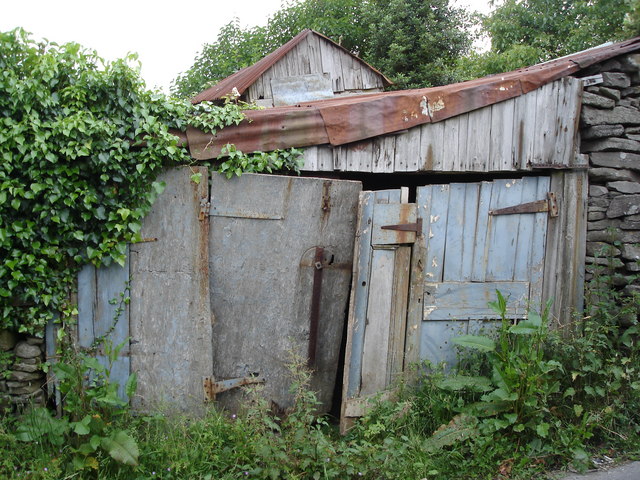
415,42
412,41
81,142
525,32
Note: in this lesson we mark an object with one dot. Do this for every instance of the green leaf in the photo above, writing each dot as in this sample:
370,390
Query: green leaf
122,448
131,385
196,177
462,382
476,342
524,328
542,429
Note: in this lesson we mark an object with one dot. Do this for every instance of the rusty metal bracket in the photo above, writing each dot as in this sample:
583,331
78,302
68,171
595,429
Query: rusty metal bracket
205,208
406,227
212,388
549,205
314,316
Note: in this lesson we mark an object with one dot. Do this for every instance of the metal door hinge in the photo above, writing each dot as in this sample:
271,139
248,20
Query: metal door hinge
549,205
212,388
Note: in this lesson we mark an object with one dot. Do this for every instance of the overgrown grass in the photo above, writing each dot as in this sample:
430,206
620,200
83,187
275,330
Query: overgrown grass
522,402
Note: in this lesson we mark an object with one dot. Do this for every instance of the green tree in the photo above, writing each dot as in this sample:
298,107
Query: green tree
234,48
525,32
415,42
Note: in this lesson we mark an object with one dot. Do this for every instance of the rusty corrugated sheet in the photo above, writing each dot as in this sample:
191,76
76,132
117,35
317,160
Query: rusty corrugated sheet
247,76
349,119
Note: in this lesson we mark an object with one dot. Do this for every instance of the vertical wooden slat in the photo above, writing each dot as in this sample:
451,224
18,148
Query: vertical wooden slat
431,146
398,317
526,230
565,246
536,261
325,158
99,298
483,225
383,154
451,139
376,340
568,118
471,199
416,289
359,297
462,159
310,159
401,152
455,233
437,222
503,234
546,124
478,138
340,158
315,59
501,141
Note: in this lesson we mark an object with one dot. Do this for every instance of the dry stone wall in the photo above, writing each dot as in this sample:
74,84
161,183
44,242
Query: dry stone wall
21,377
610,136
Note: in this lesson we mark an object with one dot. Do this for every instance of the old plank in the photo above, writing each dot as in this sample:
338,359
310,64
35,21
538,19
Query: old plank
478,140
501,144
398,316
480,250
383,154
503,232
310,155
170,317
465,300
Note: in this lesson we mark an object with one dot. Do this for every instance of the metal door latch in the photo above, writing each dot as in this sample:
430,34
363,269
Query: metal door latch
406,227
212,388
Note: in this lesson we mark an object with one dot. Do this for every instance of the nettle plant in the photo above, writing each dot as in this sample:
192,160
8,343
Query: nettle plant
81,144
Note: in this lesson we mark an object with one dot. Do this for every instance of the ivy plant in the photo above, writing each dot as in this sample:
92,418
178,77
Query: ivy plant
81,144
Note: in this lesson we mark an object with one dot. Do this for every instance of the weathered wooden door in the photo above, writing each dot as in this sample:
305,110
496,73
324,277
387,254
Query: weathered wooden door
225,284
280,268
470,243
168,318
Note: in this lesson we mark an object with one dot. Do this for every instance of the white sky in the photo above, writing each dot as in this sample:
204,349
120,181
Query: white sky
166,35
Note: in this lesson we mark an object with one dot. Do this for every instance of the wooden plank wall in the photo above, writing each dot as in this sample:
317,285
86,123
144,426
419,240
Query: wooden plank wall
534,130
315,55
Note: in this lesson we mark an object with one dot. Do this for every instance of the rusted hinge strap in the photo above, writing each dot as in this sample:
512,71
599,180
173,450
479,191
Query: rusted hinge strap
549,205
405,227
314,316
212,388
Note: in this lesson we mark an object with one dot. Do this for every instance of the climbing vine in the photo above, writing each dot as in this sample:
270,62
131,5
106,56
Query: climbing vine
81,144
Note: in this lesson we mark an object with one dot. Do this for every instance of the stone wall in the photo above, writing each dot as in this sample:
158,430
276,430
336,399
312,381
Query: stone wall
21,377
610,136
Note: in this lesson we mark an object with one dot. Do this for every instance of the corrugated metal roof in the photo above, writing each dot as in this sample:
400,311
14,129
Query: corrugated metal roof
247,76
348,119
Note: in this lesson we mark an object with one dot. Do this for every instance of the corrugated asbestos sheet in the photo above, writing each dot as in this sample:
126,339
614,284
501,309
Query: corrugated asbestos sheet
244,78
349,119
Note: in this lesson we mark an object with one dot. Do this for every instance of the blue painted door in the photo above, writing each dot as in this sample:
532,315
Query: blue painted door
467,247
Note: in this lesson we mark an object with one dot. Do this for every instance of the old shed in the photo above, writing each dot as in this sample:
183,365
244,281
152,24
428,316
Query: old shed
508,182
308,67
